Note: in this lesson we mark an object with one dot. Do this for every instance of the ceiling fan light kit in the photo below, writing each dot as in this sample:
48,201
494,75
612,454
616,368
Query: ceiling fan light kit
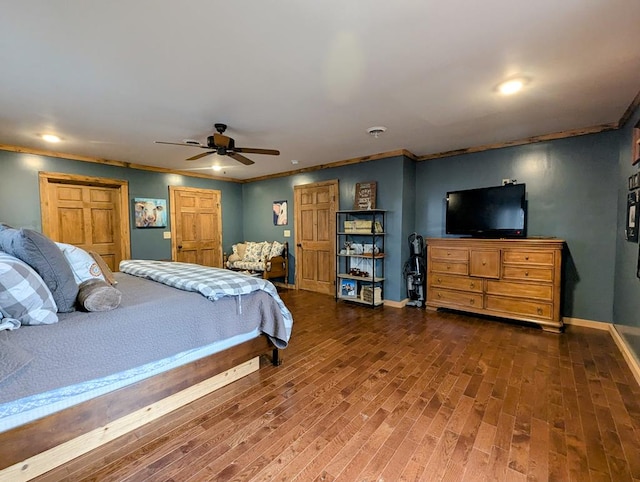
223,146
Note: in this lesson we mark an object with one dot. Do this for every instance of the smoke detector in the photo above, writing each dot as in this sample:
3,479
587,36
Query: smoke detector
376,131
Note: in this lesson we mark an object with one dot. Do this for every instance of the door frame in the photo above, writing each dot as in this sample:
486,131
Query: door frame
46,178
335,206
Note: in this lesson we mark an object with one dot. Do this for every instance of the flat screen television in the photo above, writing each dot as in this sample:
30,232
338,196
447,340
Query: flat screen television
489,212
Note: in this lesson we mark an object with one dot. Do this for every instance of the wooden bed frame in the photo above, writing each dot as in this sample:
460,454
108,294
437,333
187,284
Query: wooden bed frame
39,446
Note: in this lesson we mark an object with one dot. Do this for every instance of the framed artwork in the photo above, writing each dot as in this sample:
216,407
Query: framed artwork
635,148
348,288
150,212
280,213
365,197
632,216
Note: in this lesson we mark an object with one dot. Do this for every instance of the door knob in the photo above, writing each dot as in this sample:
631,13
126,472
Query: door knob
299,245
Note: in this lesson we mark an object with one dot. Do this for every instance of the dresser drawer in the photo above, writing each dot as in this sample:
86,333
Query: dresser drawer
449,267
455,298
462,283
517,256
527,273
520,290
453,254
484,263
519,307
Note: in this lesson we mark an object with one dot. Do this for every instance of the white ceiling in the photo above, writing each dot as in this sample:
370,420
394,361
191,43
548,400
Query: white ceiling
308,77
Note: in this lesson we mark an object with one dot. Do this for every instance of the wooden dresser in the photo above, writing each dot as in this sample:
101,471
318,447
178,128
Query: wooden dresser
510,278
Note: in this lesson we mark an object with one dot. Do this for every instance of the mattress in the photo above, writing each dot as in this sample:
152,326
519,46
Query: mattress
156,328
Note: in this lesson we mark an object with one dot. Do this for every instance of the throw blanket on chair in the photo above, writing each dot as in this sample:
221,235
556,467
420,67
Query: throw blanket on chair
213,283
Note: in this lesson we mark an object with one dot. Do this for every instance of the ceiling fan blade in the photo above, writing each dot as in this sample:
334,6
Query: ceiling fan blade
200,156
188,144
241,158
252,150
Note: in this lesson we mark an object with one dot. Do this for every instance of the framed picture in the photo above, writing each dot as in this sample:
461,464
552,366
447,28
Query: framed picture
365,197
150,212
632,216
635,148
280,213
348,288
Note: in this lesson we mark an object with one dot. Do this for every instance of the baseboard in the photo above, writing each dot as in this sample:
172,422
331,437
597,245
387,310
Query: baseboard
287,286
597,325
395,304
629,357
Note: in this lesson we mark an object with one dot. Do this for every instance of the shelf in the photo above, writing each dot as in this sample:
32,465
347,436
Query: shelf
364,229
365,256
369,279
362,302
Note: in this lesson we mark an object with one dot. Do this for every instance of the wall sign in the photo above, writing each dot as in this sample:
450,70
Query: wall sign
365,198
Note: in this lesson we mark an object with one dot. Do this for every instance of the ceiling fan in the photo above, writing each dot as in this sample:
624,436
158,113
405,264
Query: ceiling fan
224,146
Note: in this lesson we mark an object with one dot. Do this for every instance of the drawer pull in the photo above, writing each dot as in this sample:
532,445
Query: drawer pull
539,310
472,301
448,266
484,263
526,273
526,258
472,285
439,280
439,295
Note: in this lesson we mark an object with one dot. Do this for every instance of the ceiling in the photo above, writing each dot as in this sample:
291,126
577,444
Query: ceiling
308,78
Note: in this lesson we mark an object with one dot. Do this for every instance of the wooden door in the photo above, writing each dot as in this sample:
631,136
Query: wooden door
88,212
196,221
315,221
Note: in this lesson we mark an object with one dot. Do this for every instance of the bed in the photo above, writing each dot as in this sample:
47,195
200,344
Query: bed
143,357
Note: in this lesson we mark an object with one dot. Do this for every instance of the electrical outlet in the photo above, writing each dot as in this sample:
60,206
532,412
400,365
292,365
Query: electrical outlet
166,234
287,233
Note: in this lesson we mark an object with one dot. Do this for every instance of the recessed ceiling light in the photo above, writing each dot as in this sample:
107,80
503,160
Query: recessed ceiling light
512,86
50,138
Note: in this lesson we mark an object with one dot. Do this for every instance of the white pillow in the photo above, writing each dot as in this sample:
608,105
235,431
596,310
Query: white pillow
23,294
82,264
276,249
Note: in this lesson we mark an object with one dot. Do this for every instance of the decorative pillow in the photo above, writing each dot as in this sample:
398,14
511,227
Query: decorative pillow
23,294
253,253
98,295
106,271
277,249
234,257
45,257
239,249
266,249
82,264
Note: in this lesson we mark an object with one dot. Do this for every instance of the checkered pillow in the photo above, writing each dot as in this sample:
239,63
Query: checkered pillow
23,294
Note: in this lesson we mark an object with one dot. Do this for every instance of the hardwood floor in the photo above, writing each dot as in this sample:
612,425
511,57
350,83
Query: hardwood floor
399,394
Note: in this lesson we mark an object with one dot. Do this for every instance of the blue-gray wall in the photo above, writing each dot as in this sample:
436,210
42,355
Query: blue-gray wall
576,190
388,173
572,194
20,200
626,304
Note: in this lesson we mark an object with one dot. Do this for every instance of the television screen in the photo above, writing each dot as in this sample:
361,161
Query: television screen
490,212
